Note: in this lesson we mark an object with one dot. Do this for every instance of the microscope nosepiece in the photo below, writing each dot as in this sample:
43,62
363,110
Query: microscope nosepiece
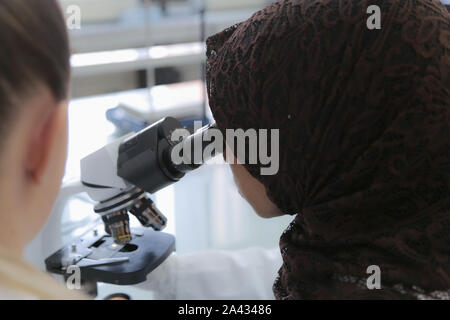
115,216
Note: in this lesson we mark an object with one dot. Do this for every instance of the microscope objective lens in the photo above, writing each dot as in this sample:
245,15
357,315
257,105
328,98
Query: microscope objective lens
148,215
117,224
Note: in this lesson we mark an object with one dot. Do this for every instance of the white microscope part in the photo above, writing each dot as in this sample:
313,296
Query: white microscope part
99,172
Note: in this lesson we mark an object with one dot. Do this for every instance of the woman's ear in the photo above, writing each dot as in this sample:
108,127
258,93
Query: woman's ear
36,163
39,147
45,134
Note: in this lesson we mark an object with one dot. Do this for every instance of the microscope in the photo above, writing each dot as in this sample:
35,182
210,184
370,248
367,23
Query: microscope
119,178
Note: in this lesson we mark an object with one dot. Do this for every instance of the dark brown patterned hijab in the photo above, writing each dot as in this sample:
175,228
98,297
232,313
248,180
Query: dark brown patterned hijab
364,119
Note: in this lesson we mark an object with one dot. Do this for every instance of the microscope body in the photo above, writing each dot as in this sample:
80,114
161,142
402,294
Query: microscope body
119,177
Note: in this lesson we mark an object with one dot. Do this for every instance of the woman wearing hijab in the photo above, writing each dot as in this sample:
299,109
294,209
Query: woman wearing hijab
363,117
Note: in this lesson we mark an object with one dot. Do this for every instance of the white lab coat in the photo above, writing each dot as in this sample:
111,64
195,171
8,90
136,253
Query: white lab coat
242,274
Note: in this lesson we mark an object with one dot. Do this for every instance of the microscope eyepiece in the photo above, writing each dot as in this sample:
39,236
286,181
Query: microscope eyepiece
145,158
193,144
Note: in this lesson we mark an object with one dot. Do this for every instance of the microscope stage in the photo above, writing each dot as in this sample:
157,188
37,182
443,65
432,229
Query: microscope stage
102,260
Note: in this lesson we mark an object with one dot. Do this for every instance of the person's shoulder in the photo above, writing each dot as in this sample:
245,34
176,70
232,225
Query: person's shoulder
20,280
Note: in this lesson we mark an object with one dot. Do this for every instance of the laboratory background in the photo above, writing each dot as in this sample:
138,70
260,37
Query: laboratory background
135,62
